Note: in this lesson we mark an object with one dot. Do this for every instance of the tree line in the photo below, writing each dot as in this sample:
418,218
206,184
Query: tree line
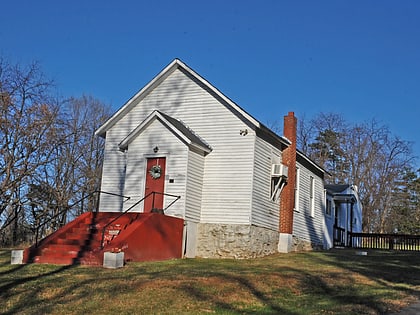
49,155
369,156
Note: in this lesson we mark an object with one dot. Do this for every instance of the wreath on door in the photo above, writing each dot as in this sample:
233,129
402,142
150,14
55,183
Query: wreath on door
155,171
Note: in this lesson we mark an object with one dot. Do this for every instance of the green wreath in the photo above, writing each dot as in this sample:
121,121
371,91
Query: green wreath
155,171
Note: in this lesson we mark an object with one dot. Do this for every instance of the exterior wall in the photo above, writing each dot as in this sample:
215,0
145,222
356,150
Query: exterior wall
265,212
190,239
113,177
307,228
194,190
329,225
235,241
227,178
176,154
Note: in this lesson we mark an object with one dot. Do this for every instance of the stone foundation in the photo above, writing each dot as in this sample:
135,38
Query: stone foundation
235,241
300,245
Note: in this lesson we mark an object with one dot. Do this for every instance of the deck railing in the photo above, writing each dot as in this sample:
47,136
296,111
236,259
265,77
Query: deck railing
385,241
339,236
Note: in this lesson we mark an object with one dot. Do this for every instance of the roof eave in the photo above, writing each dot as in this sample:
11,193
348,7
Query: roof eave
319,168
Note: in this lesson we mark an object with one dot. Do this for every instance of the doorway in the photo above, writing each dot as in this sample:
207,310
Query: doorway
155,183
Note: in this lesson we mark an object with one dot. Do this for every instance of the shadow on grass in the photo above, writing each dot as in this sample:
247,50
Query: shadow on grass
5,256
383,266
18,281
295,284
335,280
42,301
392,270
269,305
13,269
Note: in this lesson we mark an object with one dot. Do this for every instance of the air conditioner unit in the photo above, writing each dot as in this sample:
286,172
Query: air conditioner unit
279,170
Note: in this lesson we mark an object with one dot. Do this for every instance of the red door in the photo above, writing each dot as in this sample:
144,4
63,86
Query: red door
155,182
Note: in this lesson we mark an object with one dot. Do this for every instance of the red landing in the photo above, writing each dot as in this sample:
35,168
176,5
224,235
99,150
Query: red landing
141,236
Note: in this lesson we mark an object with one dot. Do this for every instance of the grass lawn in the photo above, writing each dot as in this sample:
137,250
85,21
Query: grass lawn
333,282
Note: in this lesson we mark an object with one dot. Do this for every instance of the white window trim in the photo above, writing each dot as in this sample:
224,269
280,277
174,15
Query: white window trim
297,189
312,196
330,201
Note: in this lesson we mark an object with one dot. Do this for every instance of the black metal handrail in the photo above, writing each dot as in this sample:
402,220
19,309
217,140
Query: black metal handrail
71,206
134,205
164,194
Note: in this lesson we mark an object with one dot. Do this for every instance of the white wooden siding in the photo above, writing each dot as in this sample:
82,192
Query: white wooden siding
113,174
265,212
329,224
194,191
228,168
306,226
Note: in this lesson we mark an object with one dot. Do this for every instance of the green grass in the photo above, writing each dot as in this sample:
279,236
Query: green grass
334,282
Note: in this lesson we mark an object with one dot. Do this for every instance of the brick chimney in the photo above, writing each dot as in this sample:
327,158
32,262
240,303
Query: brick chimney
287,197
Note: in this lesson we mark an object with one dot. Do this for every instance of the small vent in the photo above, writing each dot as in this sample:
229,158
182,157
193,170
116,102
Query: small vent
279,170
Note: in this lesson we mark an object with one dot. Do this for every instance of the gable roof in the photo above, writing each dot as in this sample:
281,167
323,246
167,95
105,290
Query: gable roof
175,64
182,131
263,131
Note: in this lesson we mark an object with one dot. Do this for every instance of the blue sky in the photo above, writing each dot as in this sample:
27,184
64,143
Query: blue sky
357,58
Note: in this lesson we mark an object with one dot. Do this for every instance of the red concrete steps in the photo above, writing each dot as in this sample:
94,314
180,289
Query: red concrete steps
145,236
80,241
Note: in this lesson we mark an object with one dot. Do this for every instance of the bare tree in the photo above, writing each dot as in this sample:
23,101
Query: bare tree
49,155
366,155
27,116
82,155
377,163
74,172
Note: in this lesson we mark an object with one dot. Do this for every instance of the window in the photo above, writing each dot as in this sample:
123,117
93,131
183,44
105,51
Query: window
276,181
297,183
312,196
275,191
328,209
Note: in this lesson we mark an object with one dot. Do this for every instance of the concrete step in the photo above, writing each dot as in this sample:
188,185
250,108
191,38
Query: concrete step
57,260
52,248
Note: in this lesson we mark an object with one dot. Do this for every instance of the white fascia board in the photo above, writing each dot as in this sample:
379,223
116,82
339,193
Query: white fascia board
124,143
153,116
180,134
199,147
173,129
311,162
